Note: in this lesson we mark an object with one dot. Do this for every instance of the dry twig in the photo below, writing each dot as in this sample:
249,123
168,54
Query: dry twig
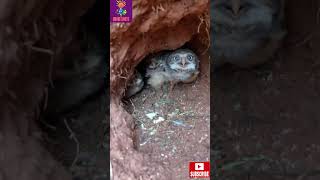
73,136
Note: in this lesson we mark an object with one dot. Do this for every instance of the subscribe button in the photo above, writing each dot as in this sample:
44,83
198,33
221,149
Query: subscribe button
199,169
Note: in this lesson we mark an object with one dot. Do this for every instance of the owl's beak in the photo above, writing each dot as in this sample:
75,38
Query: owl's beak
235,7
183,62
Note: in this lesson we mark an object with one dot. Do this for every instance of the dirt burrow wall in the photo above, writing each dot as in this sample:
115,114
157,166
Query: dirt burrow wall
157,25
34,35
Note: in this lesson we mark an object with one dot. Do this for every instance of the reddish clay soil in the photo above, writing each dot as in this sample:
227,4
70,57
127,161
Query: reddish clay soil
266,119
180,131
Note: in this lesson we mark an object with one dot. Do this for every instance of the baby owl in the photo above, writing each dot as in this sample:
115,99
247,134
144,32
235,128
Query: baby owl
135,85
246,32
172,66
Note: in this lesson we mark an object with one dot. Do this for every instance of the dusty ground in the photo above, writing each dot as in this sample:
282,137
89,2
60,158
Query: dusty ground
266,120
82,146
179,132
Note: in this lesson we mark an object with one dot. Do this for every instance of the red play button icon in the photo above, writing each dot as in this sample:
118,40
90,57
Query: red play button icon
199,166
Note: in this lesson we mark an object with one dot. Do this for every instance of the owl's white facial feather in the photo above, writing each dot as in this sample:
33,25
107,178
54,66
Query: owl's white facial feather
179,67
183,61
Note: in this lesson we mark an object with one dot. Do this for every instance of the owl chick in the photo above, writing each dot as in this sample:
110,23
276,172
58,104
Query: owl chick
135,85
246,32
174,66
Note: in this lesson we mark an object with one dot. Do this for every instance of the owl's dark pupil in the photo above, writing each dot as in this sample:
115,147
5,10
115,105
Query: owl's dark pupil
189,57
176,58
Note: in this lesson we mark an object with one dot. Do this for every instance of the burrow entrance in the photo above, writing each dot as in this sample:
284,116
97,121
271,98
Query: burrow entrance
174,129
